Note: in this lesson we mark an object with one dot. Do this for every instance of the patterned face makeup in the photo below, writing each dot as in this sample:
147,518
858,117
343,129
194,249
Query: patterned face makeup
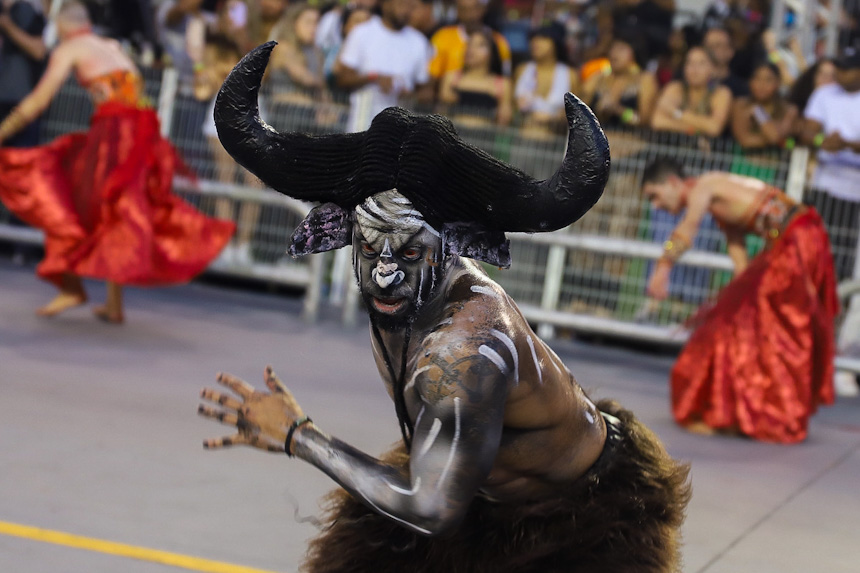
395,258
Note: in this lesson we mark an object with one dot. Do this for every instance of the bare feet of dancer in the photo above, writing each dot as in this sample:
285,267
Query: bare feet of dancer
62,302
72,294
103,313
112,310
700,428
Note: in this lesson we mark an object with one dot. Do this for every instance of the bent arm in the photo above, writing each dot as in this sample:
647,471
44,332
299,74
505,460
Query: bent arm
737,249
714,123
290,61
647,98
698,203
457,435
669,100
742,126
350,79
59,66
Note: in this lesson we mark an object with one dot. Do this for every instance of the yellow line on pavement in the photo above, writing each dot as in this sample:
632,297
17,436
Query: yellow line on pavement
123,550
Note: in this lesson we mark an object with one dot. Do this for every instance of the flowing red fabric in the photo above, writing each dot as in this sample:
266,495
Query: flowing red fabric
104,200
761,358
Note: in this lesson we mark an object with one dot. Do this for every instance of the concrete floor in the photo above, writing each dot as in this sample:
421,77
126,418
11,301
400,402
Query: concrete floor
99,438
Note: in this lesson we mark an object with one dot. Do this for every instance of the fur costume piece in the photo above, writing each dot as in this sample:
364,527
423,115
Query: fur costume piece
622,516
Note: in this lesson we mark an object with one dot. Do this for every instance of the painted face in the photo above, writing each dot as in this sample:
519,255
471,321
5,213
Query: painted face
396,257
665,195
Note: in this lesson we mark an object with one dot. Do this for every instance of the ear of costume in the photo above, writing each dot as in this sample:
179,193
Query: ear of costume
327,227
475,242
446,179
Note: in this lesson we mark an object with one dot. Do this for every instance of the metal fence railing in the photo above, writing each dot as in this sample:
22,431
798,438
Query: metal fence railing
589,277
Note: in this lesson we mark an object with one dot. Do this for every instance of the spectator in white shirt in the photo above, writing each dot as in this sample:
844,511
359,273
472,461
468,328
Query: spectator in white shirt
382,60
832,124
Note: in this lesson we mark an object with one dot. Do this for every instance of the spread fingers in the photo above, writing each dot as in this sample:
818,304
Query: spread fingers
224,399
273,382
228,418
225,442
237,385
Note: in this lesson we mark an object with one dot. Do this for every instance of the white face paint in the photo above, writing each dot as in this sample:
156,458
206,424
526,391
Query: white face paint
395,260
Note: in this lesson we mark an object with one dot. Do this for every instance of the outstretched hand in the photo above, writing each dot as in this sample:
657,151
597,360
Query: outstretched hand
262,419
658,286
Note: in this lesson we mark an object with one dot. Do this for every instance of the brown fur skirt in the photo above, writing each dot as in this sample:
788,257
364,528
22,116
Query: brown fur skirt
622,516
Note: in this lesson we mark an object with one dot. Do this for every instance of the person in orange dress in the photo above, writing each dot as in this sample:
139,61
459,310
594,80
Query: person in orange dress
760,359
103,197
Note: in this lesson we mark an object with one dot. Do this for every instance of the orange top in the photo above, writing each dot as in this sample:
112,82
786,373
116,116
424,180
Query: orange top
122,86
769,214
449,45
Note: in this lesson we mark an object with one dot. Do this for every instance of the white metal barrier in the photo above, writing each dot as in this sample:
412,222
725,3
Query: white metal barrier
590,277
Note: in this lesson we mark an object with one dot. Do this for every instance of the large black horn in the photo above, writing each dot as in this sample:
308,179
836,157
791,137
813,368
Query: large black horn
464,183
310,168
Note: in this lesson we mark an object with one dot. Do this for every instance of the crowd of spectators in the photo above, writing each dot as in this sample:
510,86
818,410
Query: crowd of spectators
640,64
722,75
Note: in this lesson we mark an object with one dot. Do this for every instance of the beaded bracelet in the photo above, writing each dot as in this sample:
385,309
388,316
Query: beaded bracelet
293,427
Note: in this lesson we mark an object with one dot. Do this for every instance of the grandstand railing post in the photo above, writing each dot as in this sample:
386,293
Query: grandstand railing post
807,29
831,39
777,19
350,291
166,97
795,181
313,292
552,286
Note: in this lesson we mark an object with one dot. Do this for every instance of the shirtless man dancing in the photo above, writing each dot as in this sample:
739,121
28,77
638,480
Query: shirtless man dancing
505,463
760,360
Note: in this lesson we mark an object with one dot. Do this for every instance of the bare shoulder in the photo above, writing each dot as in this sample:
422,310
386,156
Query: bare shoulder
473,340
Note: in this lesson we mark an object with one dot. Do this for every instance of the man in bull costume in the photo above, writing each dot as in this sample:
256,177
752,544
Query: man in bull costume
505,464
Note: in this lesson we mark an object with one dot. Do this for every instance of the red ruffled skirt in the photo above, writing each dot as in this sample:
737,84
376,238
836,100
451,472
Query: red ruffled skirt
104,201
760,360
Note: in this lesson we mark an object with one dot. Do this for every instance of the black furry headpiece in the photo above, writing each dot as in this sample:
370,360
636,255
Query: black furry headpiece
470,196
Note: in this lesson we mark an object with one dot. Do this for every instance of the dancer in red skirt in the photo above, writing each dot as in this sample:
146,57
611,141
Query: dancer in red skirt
760,360
103,197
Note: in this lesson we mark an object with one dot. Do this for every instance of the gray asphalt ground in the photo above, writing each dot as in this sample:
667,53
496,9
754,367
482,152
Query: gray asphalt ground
99,437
